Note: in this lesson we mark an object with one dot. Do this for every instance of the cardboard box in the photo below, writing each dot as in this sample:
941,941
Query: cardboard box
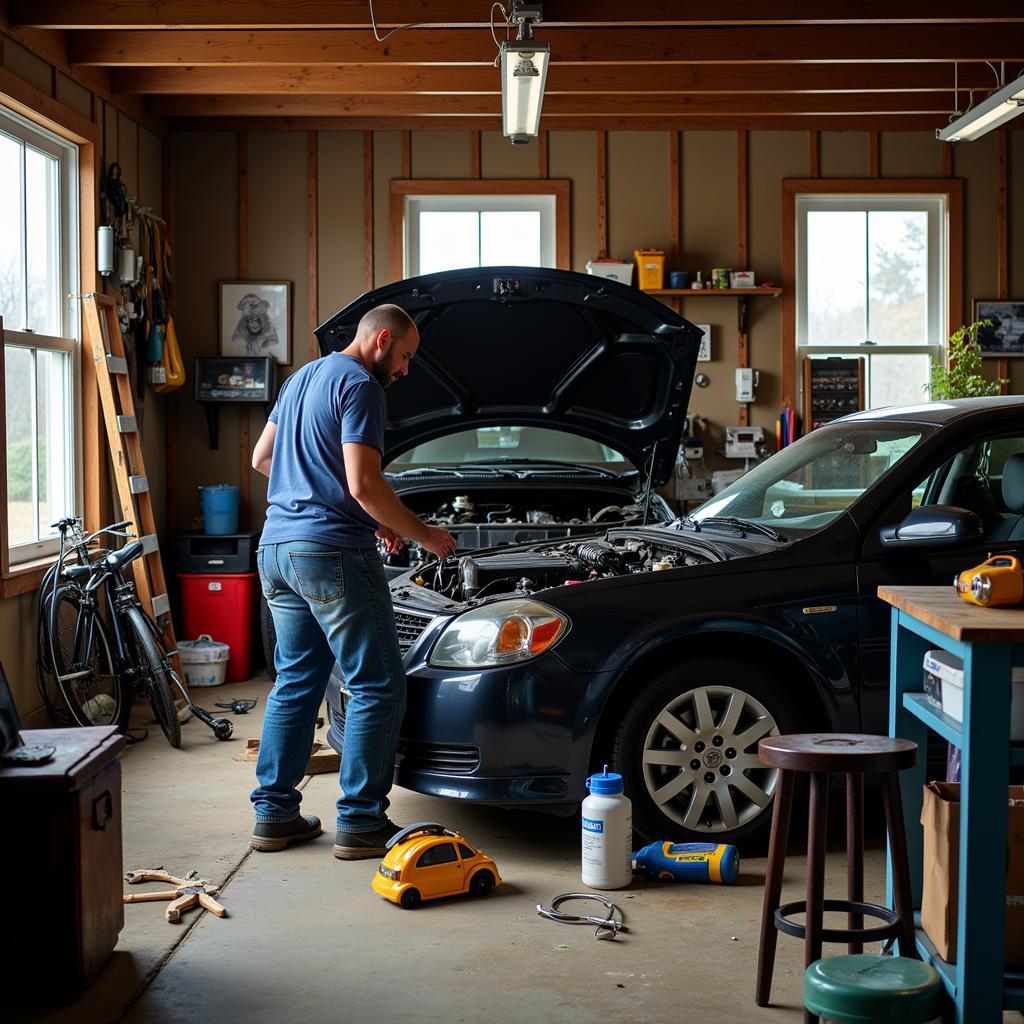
940,817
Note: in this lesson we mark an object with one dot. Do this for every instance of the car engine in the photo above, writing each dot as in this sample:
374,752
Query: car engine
521,573
483,520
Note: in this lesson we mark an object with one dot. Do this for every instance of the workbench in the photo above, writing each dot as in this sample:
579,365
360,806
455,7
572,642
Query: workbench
990,641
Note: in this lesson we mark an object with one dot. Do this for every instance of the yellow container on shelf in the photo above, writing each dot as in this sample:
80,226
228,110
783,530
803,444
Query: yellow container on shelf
650,268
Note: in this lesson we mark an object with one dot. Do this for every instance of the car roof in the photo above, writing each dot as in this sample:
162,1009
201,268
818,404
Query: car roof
938,413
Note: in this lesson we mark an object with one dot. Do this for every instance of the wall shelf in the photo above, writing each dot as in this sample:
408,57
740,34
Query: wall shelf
717,293
742,307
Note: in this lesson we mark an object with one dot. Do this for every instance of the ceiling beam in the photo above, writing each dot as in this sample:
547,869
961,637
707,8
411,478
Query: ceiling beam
677,104
789,122
382,79
256,14
901,43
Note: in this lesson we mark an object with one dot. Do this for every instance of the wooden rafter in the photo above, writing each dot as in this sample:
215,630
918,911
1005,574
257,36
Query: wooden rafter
676,104
428,46
127,14
609,79
611,122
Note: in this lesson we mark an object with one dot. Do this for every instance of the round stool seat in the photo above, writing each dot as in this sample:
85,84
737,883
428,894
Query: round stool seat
864,989
837,752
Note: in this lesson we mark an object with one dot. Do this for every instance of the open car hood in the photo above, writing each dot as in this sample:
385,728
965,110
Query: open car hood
536,347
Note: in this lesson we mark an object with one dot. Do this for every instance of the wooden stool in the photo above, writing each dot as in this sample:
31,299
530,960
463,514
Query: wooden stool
820,755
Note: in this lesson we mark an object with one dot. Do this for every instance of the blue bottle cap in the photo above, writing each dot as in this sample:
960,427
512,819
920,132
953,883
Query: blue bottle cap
605,782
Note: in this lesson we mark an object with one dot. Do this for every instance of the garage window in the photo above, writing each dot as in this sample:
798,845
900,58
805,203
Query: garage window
38,265
870,274
440,225
454,232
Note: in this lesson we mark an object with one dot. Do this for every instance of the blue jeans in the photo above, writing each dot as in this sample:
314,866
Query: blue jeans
328,605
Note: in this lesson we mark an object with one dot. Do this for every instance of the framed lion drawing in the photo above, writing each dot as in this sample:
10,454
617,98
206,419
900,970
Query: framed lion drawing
255,319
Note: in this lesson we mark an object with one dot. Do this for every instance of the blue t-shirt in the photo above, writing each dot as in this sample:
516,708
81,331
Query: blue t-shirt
329,402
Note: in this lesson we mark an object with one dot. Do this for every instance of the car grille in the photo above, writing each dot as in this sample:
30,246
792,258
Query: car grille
410,628
450,758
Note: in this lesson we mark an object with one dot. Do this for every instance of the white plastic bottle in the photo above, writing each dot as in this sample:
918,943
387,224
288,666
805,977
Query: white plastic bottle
607,833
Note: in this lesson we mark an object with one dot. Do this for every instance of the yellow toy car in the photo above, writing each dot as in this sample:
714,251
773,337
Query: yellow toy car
426,861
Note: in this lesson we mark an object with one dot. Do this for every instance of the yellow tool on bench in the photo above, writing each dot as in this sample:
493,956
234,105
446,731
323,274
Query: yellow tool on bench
997,581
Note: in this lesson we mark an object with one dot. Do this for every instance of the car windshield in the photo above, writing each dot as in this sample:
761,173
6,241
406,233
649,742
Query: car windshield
510,444
811,482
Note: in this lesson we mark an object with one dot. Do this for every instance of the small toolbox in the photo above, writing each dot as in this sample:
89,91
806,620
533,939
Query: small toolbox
229,552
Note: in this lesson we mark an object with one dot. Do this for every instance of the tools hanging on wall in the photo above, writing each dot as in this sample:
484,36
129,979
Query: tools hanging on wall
145,282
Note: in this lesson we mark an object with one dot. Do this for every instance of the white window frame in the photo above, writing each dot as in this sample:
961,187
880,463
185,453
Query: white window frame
545,205
936,207
69,341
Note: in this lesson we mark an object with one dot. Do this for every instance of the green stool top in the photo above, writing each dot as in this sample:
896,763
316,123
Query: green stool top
878,989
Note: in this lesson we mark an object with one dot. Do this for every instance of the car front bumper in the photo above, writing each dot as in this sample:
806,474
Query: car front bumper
516,735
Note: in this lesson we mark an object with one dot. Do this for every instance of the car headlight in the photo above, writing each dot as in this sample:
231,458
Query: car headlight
499,634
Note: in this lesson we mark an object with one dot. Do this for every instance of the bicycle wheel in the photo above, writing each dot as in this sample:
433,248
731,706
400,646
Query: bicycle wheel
154,673
81,662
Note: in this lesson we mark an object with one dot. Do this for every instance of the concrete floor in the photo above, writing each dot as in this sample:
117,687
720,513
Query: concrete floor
307,938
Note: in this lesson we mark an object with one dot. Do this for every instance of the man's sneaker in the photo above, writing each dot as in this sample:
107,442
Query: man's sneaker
276,835
357,845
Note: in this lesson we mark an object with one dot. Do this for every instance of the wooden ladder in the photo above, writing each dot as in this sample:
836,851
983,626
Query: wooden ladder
103,333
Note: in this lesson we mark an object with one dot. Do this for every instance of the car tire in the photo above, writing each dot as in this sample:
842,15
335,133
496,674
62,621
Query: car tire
410,899
687,741
268,636
481,883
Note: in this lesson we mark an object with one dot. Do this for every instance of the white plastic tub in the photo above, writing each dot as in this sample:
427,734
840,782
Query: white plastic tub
612,269
949,670
204,661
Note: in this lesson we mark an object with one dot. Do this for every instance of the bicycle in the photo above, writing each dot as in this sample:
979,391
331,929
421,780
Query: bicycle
80,646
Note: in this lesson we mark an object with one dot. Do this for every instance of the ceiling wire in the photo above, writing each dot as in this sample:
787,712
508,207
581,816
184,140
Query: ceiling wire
504,14
387,35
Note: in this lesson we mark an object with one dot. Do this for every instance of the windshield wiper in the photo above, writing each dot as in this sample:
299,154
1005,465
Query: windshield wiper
552,464
744,525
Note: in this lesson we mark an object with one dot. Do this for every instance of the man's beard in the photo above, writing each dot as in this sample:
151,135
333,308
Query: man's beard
384,377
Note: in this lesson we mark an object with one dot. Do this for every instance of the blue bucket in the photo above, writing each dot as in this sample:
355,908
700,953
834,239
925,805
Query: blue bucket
220,509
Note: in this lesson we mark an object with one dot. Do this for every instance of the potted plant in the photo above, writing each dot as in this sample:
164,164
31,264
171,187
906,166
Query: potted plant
961,376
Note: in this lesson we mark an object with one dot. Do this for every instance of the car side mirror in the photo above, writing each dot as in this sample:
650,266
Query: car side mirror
935,526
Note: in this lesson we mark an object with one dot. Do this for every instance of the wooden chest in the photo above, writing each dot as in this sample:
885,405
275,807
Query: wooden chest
60,858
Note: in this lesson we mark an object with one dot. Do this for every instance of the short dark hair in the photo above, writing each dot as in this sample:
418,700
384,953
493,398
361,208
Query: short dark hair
385,317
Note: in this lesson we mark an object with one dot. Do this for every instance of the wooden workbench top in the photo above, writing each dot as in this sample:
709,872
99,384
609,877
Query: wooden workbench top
942,609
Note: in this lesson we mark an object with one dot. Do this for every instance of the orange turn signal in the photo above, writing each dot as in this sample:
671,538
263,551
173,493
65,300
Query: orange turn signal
512,636
544,635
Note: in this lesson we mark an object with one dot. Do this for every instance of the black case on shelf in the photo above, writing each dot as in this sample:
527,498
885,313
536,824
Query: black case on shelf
209,553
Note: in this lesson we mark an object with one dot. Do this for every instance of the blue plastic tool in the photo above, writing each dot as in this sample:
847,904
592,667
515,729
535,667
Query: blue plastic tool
688,862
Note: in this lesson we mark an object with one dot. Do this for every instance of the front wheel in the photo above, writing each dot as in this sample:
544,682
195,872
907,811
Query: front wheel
481,883
76,658
154,674
687,749
410,899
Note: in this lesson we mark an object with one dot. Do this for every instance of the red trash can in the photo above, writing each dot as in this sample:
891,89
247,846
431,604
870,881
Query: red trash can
226,607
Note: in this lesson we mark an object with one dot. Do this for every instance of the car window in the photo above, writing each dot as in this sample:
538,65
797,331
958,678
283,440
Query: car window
465,852
812,481
485,444
443,853
972,479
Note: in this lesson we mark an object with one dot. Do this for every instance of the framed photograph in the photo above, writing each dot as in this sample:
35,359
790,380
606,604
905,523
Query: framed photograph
704,352
1006,335
256,319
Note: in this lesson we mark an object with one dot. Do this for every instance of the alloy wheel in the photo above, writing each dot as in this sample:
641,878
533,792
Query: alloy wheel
700,762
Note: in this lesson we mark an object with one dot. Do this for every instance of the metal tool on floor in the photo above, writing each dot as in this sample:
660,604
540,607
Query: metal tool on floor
188,892
608,927
240,706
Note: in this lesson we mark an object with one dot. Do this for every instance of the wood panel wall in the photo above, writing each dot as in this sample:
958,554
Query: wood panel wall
706,198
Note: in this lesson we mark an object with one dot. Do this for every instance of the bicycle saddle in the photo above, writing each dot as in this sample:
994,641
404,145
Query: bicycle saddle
119,559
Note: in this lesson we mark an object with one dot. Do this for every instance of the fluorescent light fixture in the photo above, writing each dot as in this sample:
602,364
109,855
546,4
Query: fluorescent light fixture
1003,104
524,70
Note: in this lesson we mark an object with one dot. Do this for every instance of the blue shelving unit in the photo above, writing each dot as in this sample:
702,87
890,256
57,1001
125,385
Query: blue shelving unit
990,641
